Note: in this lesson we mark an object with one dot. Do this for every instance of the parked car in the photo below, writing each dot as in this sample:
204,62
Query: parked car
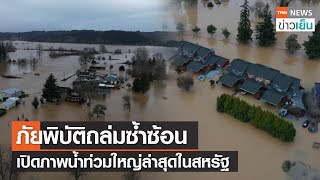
305,123
313,129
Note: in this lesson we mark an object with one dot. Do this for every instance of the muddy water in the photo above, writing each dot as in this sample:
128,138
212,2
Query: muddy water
260,156
227,15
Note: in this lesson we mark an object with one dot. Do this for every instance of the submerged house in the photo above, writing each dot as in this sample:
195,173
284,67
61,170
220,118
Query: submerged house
202,53
188,49
11,92
236,72
87,74
211,62
261,73
74,97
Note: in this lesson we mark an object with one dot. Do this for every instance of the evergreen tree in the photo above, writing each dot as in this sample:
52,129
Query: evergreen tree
141,84
211,29
292,43
244,27
35,102
3,52
196,29
50,91
226,33
312,47
265,32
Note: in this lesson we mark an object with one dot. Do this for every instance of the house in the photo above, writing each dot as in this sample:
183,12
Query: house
105,88
212,61
188,49
10,103
250,86
74,97
286,84
273,97
181,60
316,93
97,67
111,79
238,67
202,53
11,92
230,80
261,73
87,74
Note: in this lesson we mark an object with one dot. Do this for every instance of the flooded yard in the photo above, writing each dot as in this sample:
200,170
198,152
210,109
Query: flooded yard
260,155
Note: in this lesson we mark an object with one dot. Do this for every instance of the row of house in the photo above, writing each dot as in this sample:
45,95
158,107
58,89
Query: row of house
197,58
268,84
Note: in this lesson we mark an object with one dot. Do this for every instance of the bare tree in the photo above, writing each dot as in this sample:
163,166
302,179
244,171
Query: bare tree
102,48
99,110
7,172
185,82
39,49
126,102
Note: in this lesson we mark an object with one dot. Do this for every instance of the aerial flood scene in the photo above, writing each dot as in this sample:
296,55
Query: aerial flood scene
250,80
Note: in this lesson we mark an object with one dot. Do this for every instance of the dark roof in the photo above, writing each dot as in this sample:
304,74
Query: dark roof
229,80
195,66
221,61
202,52
272,97
251,86
180,60
179,44
282,82
189,48
211,60
262,71
238,67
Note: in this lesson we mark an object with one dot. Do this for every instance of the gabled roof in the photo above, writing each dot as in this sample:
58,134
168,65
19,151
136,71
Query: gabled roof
272,97
189,48
238,67
202,52
282,82
251,86
179,44
195,66
229,79
111,78
211,60
11,90
180,60
262,71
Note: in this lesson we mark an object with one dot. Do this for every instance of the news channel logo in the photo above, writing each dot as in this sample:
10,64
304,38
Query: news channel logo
293,19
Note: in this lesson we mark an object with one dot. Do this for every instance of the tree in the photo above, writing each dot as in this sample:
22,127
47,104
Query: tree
3,53
258,8
51,91
211,29
84,57
42,100
126,99
111,67
102,48
180,27
99,110
141,84
312,46
185,82
131,175
196,29
76,174
244,26
160,71
292,43
87,89
39,49
226,33
35,102
265,32
121,68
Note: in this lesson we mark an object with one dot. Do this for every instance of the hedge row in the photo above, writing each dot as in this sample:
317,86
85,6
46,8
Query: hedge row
2,112
265,120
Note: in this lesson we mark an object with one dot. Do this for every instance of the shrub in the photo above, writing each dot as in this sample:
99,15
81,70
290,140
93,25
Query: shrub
286,165
265,120
3,112
185,82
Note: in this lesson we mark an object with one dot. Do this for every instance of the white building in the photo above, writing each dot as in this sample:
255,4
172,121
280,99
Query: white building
11,92
10,103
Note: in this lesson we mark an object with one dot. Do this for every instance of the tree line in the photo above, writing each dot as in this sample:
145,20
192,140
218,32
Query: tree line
261,119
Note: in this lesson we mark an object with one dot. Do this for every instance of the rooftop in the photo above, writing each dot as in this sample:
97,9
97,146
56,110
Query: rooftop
272,97
180,60
238,67
202,52
251,86
11,90
262,71
229,79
